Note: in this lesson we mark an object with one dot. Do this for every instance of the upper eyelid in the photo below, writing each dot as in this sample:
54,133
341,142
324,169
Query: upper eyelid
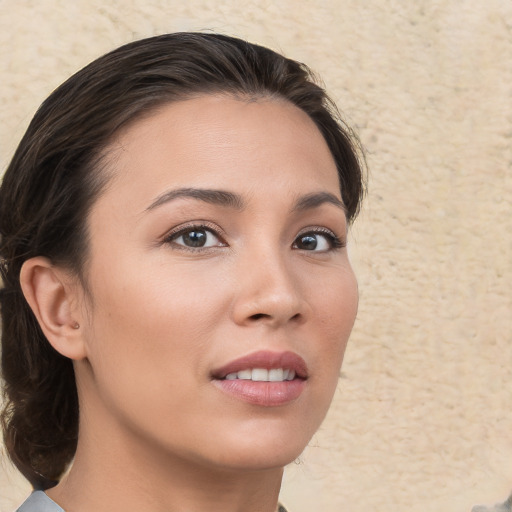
316,229
338,241
171,238
321,230
182,228
218,232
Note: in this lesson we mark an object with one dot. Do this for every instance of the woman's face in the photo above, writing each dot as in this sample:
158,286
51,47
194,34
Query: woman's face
217,259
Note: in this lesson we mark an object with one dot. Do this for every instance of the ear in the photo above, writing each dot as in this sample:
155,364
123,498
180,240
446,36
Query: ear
53,298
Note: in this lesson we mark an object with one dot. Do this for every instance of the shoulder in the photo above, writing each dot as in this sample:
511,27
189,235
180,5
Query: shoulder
499,507
38,501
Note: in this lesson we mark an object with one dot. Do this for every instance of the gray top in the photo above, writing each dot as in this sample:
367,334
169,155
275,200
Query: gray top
38,501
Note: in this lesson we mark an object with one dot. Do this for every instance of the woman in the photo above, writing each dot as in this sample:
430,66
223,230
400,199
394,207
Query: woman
177,293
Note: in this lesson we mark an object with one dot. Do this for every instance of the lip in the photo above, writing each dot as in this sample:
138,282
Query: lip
265,359
265,394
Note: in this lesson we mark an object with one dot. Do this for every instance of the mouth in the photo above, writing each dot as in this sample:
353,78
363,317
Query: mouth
264,366
263,378
263,375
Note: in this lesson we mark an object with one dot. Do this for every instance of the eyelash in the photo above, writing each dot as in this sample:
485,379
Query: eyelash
182,230
334,241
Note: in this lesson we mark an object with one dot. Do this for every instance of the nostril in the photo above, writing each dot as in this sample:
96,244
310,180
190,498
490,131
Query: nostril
263,316
259,316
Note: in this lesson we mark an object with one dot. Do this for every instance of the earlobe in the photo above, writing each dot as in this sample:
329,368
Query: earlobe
53,301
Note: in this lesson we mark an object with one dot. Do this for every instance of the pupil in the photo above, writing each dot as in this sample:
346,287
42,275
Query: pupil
308,242
195,238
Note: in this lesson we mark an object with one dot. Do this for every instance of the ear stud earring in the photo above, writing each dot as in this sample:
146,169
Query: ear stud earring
76,325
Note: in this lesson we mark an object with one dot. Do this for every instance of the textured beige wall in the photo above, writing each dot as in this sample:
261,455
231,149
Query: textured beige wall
422,420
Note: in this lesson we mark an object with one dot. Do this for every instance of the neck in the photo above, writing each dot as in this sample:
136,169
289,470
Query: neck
116,472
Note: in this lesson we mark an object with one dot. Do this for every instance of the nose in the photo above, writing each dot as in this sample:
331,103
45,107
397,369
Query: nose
270,291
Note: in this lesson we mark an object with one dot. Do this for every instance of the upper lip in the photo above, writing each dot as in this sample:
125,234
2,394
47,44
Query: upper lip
265,359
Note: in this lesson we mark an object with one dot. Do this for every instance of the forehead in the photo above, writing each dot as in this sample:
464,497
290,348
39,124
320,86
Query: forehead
217,140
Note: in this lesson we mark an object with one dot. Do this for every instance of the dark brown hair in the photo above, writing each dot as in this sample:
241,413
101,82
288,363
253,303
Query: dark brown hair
56,175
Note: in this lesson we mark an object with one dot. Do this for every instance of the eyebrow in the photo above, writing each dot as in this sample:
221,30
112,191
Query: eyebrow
316,199
235,201
218,197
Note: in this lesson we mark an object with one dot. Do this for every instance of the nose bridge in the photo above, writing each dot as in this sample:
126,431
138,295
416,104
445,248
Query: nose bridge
269,287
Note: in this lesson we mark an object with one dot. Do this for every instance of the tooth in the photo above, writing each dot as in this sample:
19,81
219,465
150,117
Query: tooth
291,375
285,373
259,374
244,374
275,375
231,376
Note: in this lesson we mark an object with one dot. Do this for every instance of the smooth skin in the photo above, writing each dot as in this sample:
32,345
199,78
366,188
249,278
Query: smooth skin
179,283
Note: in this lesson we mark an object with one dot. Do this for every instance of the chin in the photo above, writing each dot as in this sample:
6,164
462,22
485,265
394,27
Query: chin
260,452
259,461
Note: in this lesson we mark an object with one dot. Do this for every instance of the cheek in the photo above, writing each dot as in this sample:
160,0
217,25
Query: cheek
336,312
154,320
143,345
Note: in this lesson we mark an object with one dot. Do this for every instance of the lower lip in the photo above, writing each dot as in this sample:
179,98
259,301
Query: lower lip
266,394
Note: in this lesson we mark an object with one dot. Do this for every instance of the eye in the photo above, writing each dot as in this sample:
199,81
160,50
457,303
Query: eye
195,237
318,241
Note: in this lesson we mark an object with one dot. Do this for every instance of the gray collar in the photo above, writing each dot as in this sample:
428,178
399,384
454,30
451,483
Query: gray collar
38,501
